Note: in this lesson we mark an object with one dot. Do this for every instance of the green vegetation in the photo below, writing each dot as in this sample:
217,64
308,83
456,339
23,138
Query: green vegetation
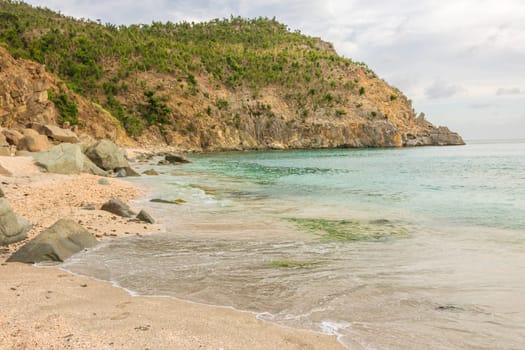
345,230
113,64
66,107
362,90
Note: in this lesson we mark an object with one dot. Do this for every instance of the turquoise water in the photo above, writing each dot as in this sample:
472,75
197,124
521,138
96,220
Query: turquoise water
386,248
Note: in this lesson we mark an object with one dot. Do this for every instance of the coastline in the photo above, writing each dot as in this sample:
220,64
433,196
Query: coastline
48,308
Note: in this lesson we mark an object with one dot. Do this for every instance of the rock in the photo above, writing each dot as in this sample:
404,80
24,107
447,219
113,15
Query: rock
121,172
29,132
88,207
57,134
174,158
23,154
3,141
128,171
144,216
36,143
66,158
2,195
151,172
57,243
91,168
118,207
12,228
12,136
106,155
103,182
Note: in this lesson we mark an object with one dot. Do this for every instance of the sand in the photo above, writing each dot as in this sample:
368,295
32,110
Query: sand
47,308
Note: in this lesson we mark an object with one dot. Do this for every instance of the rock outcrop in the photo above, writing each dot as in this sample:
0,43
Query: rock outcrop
57,243
12,228
24,99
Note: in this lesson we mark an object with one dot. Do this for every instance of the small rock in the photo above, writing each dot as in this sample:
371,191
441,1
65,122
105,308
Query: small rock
117,207
88,207
145,216
103,182
151,172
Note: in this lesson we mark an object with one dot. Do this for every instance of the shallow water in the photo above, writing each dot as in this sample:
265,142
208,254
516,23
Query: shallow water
388,248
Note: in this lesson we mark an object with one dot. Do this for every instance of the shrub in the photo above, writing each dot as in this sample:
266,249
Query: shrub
362,90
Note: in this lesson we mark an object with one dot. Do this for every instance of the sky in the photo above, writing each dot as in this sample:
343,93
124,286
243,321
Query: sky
461,62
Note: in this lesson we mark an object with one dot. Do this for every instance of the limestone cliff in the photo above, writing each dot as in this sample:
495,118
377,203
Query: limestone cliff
227,84
24,99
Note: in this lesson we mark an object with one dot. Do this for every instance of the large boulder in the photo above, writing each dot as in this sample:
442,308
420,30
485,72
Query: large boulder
12,228
57,243
12,136
57,133
175,158
33,143
106,155
118,207
66,158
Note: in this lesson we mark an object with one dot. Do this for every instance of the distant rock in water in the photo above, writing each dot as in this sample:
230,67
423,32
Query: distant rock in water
57,243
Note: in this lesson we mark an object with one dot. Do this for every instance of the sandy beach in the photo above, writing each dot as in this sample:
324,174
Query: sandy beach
47,308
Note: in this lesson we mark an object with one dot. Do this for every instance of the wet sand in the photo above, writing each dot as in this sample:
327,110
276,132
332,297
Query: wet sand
47,308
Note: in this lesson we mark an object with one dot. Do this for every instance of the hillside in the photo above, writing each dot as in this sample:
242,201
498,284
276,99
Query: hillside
222,85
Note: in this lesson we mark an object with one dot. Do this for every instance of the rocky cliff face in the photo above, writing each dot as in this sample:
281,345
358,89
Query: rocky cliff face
218,118
24,99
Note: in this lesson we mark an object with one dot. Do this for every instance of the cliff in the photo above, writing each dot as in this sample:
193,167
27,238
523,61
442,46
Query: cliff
227,84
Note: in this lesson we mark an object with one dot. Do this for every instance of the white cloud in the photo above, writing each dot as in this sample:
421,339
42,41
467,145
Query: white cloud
508,91
442,89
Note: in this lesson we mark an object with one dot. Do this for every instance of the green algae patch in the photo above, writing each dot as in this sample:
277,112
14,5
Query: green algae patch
349,230
295,264
168,201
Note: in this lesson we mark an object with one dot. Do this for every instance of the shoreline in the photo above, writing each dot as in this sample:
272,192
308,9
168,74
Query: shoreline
52,308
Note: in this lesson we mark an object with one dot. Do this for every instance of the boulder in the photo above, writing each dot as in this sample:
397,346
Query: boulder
66,158
151,172
58,134
118,207
174,158
91,168
57,243
29,132
106,155
127,171
144,216
12,136
35,143
3,140
12,228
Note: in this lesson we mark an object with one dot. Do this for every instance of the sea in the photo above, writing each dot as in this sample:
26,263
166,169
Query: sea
411,248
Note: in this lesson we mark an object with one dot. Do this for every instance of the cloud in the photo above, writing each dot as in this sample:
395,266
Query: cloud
441,89
508,91
481,105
